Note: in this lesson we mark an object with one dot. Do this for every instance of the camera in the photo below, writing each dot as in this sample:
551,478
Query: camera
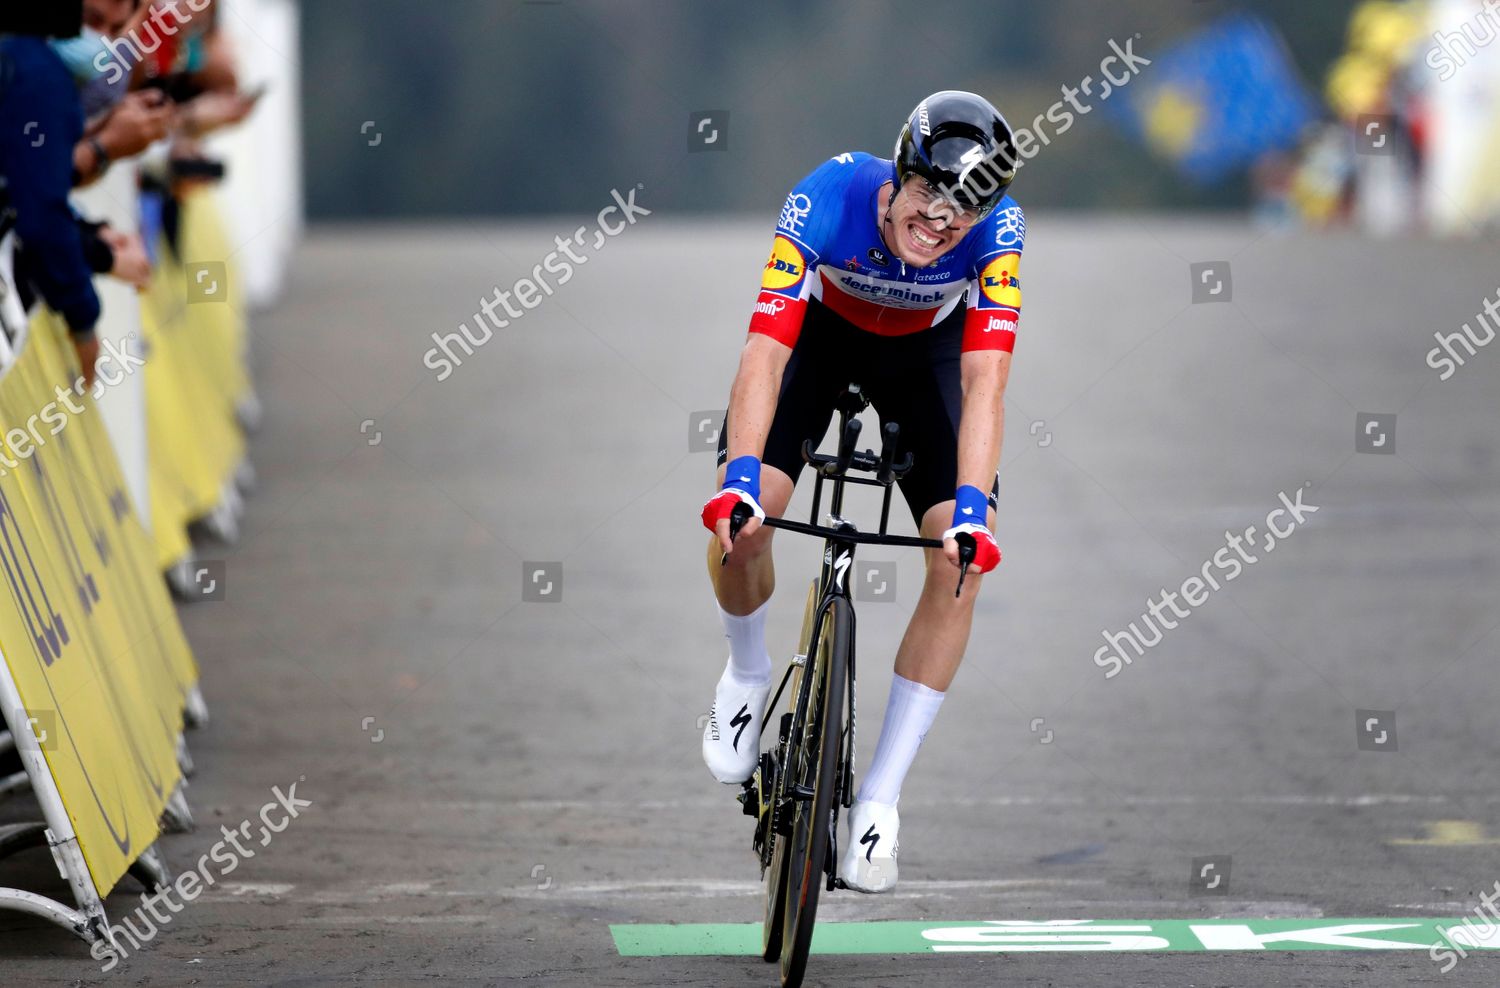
46,18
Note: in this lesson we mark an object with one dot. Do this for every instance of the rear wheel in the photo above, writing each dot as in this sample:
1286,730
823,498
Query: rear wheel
770,941
813,769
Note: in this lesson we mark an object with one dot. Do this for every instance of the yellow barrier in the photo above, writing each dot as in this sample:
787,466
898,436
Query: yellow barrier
195,376
219,330
88,634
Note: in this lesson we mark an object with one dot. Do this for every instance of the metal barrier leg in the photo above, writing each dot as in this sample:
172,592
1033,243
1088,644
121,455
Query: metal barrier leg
177,817
223,523
250,412
87,926
180,576
151,871
244,476
184,757
195,709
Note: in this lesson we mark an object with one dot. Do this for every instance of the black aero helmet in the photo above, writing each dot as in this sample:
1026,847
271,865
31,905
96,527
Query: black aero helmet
962,145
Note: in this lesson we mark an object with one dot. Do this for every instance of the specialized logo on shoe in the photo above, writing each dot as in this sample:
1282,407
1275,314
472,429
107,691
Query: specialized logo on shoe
742,721
871,838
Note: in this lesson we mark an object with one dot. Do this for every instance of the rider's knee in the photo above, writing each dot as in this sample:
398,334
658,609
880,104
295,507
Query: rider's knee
942,580
750,548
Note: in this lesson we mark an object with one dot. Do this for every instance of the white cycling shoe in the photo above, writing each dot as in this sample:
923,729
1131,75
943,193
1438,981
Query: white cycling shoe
731,738
868,863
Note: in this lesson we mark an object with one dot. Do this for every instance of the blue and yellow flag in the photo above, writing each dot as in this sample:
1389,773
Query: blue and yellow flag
1215,101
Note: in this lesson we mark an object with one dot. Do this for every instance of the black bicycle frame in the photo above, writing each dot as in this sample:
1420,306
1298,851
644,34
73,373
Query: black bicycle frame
842,536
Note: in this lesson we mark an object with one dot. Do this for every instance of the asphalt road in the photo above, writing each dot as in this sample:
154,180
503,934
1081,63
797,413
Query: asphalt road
496,781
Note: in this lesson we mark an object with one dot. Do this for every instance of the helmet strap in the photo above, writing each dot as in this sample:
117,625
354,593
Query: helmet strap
886,221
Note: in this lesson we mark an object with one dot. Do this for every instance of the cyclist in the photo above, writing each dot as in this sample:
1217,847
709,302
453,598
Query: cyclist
869,265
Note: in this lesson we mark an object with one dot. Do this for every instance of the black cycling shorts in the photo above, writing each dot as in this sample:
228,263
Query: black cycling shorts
912,380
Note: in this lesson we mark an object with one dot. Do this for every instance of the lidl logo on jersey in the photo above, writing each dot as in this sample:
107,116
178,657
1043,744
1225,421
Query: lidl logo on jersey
785,267
1001,282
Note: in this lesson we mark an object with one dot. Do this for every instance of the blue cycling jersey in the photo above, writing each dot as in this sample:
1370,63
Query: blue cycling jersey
828,246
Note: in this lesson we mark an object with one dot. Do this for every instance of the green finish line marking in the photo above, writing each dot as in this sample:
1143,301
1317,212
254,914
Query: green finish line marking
994,936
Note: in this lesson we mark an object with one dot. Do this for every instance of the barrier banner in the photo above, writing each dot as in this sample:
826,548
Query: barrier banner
193,327
87,632
219,337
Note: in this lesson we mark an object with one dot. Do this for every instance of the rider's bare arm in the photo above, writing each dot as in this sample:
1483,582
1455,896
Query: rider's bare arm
752,399
981,427
752,406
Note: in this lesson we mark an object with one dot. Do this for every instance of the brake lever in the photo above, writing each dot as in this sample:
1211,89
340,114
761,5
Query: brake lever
737,517
967,548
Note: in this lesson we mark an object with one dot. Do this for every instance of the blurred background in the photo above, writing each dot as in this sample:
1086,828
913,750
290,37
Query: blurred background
532,107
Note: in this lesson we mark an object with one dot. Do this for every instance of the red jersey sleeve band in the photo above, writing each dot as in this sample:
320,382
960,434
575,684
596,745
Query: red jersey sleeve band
990,329
778,317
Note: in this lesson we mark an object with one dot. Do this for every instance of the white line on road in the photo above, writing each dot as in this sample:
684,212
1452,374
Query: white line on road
1267,799
679,888
706,888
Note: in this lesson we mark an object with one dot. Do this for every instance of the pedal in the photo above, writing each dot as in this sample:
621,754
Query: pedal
755,792
749,794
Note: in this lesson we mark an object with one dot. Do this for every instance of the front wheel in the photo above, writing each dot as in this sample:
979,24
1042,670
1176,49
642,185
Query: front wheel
814,769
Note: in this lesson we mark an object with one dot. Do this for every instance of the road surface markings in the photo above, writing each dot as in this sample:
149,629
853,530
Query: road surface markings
1449,833
1014,936
1253,799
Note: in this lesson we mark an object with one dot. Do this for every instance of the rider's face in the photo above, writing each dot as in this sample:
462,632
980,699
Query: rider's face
923,225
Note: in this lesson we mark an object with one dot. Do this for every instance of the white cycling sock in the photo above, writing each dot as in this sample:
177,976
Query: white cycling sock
749,662
908,714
